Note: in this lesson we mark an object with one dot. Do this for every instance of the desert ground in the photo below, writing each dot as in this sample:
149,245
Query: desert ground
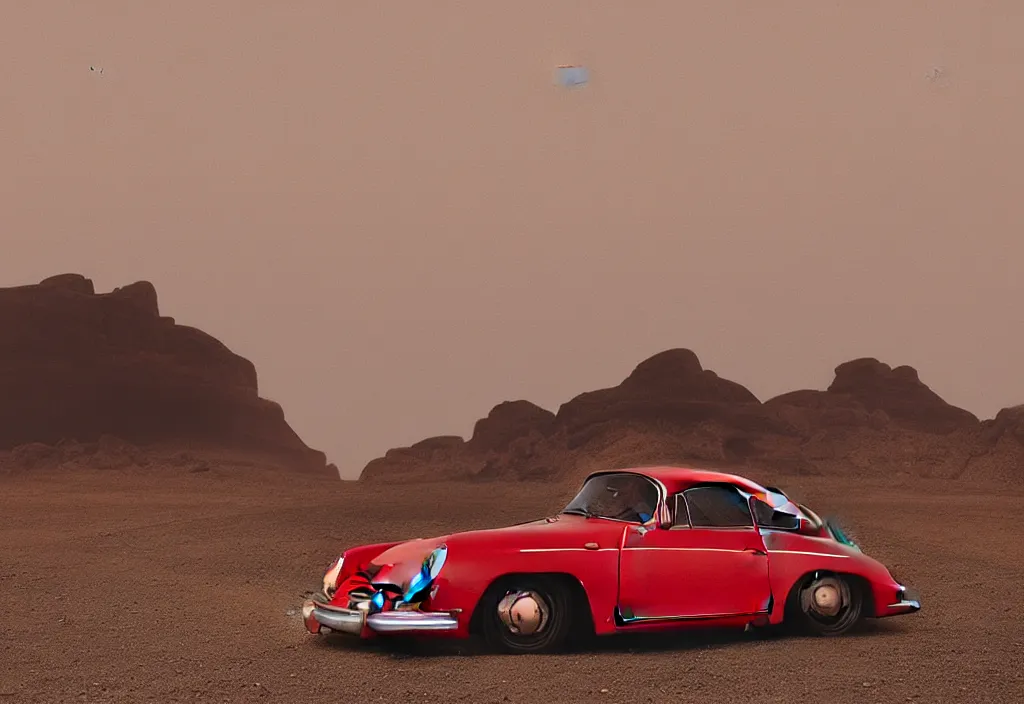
175,584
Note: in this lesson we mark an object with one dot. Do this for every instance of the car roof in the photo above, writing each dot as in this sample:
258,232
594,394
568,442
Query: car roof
677,478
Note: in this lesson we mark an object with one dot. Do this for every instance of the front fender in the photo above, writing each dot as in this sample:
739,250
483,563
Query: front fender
467,576
358,557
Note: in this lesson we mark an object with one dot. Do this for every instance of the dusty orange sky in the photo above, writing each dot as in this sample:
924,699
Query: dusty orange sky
395,213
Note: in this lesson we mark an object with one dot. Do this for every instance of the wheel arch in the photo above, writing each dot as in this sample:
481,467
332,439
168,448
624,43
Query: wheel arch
860,582
582,606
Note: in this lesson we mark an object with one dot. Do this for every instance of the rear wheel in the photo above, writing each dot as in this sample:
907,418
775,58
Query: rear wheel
828,605
526,614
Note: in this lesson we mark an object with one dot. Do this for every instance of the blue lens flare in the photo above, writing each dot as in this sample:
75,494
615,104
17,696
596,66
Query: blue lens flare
417,583
429,570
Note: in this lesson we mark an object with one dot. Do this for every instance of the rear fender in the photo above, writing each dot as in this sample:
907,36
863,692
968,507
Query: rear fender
793,558
872,592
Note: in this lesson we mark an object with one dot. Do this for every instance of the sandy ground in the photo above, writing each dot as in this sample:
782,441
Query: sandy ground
137,586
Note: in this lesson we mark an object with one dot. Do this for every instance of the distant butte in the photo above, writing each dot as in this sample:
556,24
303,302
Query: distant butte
105,380
872,420
106,372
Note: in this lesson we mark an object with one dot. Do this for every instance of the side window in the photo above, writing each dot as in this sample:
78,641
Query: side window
768,517
717,507
680,516
762,513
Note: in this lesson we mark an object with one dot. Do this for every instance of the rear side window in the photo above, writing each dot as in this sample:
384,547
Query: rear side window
770,518
717,507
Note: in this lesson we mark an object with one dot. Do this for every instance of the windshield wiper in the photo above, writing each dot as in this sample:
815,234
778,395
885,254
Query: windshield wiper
580,512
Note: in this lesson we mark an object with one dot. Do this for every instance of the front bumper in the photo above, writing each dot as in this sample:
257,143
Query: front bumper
908,600
317,615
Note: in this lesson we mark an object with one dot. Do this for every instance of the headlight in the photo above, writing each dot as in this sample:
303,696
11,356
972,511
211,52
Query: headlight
331,577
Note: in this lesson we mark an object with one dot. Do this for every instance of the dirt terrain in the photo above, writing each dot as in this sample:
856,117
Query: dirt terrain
175,584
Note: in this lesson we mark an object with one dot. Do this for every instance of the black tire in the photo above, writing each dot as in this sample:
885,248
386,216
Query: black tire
826,605
555,623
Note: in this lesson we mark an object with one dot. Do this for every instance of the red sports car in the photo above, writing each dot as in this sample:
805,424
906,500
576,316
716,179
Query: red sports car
637,550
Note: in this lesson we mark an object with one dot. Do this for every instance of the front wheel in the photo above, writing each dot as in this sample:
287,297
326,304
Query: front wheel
526,614
828,605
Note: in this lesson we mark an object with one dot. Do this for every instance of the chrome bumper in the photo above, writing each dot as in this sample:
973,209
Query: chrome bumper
317,615
908,601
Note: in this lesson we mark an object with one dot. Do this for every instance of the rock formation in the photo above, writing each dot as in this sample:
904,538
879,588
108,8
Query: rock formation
81,367
872,420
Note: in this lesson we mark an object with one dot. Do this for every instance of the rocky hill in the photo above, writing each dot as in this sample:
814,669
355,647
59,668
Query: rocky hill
872,420
105,375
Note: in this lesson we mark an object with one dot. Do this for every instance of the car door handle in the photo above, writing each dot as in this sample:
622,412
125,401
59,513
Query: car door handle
755,551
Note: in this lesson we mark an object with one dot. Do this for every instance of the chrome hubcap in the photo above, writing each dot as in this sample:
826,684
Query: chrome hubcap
826,597
524,613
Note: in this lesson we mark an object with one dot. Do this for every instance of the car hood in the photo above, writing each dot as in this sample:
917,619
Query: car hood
398,563
562,531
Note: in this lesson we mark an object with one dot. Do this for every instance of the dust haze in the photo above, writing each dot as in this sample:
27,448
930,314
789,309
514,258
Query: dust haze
394,212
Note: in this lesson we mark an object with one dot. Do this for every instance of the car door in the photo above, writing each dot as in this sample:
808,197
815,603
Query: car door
710,563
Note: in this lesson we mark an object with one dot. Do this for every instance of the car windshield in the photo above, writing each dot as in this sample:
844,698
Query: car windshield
623,497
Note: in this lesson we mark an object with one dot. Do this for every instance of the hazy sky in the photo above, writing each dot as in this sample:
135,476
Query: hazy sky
394,212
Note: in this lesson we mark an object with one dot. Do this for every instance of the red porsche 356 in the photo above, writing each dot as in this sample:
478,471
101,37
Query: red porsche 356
637,550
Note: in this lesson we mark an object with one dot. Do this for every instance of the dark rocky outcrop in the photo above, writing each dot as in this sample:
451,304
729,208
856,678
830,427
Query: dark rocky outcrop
900,393
873,419
508,422
80,366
